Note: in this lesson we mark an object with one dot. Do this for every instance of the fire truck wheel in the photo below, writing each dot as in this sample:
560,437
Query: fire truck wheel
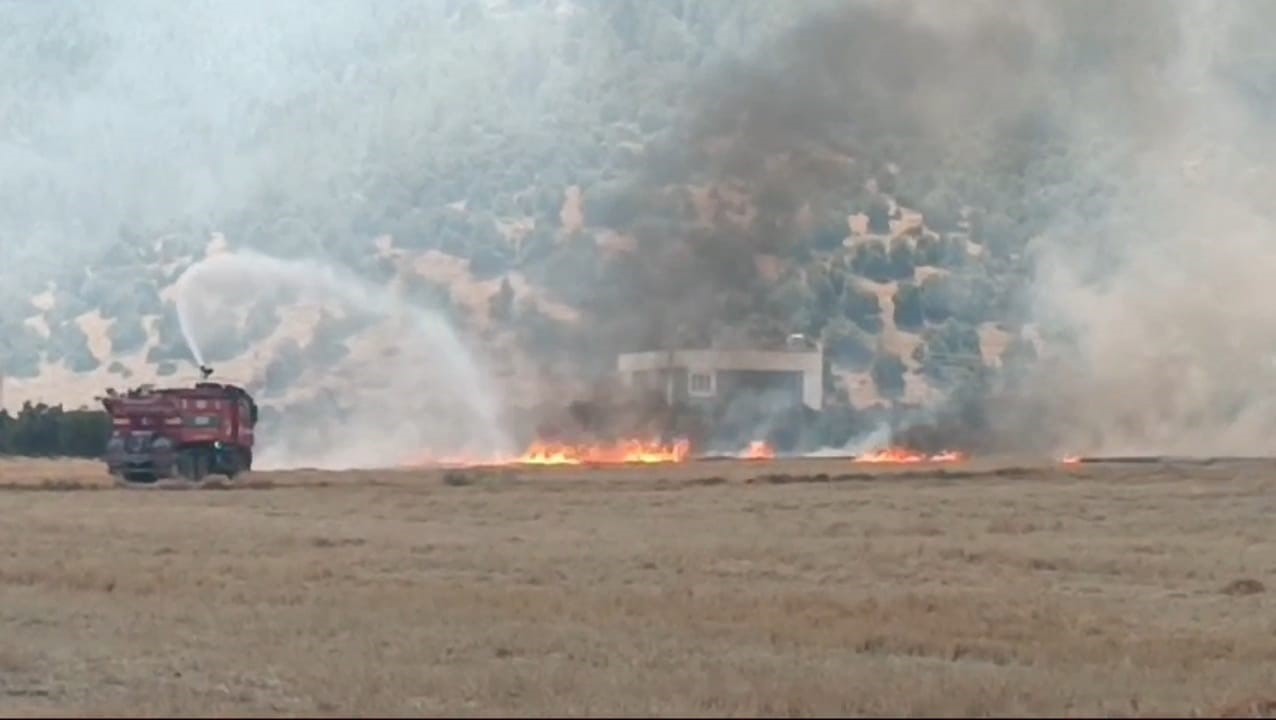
234,463
185,464
192,465
139,478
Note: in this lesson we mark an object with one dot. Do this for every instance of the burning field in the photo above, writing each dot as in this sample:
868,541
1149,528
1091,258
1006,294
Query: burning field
655,452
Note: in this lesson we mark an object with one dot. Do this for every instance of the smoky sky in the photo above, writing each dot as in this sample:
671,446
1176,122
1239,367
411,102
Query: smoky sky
1132,137
130,120
808,118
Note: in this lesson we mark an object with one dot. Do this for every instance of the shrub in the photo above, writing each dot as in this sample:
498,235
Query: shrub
127,334
870,260
847,346
888,374
908,308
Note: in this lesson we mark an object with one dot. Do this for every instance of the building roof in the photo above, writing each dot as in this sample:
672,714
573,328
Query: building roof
724,359
795,343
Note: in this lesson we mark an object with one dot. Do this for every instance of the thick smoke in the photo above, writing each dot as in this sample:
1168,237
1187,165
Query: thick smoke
783,140
1173,340
1129,136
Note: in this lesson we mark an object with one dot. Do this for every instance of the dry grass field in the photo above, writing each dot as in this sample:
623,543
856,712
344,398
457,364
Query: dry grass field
712,589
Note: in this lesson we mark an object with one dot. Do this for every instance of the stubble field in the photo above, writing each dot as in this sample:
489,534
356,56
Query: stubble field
710,589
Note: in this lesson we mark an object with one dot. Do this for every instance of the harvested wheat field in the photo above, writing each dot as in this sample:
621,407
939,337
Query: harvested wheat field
708,589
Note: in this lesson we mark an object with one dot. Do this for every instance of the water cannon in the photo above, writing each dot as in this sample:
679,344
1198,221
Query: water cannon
205,371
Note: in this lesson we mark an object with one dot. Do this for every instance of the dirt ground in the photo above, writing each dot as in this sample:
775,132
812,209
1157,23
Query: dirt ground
712,589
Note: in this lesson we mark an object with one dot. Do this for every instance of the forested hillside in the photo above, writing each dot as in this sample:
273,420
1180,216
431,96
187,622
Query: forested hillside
567,179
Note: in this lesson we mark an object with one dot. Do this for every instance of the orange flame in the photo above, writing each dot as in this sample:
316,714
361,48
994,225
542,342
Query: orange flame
653,452
546,453
628,451
759,450
904,455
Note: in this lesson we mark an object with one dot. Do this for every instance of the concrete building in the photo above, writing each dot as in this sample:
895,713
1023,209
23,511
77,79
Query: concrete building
715,375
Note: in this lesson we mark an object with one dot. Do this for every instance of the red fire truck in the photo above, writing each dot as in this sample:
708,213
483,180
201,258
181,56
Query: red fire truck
186,433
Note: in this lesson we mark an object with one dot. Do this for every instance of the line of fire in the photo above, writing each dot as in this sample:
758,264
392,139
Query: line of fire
746,403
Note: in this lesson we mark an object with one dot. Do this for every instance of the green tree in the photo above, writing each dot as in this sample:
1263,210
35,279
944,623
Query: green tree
941,209
49,431
870,260
829,235
937,298
790,302
929,250
888,374
900,259
846,345
908,307
69,344
863,308
502,302
949,351
879,217
127,334
20,351
615,204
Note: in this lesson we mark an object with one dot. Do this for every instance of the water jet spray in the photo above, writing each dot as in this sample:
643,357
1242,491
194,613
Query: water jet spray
375,428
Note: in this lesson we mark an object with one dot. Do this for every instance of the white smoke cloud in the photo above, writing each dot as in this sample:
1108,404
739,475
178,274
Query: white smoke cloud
431,395
1175,339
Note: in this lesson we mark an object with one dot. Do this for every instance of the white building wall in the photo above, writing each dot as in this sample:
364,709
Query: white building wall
809,364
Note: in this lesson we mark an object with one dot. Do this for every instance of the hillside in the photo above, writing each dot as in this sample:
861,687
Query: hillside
564,179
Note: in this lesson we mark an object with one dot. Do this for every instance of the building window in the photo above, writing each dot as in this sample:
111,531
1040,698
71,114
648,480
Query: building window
700,383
